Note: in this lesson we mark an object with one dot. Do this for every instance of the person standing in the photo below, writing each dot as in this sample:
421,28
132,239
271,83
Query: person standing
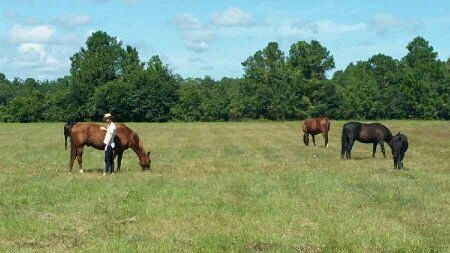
109,143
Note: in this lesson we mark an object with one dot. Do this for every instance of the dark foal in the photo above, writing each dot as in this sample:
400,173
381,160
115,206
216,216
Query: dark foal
399,146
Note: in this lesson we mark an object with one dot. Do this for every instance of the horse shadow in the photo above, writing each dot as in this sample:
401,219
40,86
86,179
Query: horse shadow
95,170
366,158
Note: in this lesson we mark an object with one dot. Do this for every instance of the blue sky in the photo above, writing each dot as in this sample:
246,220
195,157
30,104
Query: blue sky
198,38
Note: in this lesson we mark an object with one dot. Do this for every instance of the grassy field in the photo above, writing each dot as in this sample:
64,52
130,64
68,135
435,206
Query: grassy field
250,186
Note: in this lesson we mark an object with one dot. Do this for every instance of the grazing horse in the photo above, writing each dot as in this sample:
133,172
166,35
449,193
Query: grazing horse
316,126
67,129
399,146
89,134
375,133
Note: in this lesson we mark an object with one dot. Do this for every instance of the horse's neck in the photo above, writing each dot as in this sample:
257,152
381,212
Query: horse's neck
138,150
137,146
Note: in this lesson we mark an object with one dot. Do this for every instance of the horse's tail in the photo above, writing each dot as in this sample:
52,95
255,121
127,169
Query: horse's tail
67,132
73,151
344,140
304,127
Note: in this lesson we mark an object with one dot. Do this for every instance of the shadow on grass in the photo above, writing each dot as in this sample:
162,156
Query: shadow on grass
366,158
86,171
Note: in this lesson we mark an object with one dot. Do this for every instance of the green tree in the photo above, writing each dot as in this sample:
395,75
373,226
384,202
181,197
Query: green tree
267,69
156,92
311,60
189,104
100,62
423,81
308,64
25,108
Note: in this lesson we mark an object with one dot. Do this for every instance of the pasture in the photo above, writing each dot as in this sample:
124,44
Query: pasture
245,186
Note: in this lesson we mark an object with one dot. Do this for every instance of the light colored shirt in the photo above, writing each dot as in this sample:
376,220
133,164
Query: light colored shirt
110,133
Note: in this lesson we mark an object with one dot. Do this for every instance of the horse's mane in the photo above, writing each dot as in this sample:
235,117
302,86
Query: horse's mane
134,136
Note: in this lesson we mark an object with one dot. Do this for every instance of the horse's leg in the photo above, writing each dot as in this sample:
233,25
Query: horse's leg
382,149
349,148
374,149
325,135
314,139
306,139
400,161
343,145
119,160
80,159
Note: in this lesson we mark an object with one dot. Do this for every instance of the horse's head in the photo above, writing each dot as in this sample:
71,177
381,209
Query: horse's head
145,161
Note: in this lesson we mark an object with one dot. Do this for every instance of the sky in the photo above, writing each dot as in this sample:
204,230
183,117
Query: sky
197,38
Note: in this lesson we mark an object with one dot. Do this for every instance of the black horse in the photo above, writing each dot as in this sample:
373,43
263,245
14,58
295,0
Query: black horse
399,147
375,133
67,130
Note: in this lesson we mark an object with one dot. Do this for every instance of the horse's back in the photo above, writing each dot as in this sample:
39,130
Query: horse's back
372,132
316,125
87,133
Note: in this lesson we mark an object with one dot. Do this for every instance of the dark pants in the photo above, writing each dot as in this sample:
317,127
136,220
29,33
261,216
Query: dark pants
109,160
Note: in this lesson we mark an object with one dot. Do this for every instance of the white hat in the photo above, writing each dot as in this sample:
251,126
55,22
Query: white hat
107,115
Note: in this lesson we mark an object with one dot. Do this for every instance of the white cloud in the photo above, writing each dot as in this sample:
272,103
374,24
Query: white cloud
70,20
38,51
383,22
232,17
187,21
326,26
11,15
36,58
27,48
301,29
196,36
31,34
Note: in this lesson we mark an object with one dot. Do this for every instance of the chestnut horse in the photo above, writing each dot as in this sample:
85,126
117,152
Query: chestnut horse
89,134
316,126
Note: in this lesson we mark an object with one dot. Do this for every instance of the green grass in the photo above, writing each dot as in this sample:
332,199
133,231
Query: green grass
250,186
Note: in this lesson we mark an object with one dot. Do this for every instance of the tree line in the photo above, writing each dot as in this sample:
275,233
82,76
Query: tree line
106,76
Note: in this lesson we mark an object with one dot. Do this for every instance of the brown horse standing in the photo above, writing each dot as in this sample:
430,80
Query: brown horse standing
316,126
89,134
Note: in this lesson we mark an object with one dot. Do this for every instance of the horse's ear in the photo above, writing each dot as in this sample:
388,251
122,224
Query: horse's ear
148,153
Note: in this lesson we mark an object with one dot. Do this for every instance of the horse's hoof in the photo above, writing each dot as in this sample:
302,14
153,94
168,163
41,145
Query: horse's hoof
82,171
